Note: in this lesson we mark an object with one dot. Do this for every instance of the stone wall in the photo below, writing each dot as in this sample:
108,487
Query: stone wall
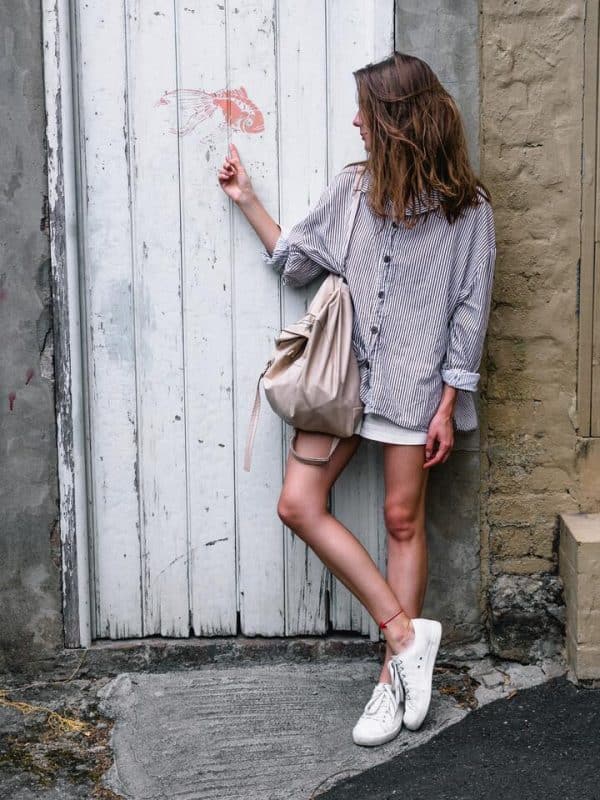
537,466
30,612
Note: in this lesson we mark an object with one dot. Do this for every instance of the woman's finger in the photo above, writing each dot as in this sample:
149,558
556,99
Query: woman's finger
429,445
433,461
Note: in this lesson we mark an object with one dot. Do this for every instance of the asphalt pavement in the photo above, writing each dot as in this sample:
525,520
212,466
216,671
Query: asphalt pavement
542,743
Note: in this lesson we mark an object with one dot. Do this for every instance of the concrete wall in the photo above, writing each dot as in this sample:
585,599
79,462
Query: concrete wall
30,614
531,127
445,35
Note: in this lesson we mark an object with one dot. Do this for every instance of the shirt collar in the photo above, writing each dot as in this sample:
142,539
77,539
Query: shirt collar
425,202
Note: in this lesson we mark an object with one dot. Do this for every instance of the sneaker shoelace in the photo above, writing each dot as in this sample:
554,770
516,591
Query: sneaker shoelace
383,703
406,677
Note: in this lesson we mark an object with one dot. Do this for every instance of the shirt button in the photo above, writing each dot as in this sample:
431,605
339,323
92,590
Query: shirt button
394,224
381,294
386,259
366,364
374,329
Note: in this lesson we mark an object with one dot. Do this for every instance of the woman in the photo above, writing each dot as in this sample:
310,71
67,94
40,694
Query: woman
420,272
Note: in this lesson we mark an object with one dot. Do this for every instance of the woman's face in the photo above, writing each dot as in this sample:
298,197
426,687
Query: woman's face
364,131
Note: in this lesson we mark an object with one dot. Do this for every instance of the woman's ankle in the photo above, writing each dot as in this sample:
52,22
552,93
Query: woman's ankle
399,633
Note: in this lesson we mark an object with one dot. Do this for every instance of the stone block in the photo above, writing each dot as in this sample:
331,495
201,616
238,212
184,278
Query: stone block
579,563
527,565
583,659
509,541
526,616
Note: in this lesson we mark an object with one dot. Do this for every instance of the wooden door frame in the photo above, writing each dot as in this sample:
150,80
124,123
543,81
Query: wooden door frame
58,29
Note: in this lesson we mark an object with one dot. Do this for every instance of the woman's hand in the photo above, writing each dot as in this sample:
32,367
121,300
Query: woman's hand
234,179
440,440
236,184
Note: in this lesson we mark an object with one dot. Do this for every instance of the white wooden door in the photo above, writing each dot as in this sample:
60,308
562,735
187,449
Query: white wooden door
181,311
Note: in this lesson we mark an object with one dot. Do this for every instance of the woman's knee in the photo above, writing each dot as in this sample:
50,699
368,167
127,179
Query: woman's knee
287,509
296,509
403,523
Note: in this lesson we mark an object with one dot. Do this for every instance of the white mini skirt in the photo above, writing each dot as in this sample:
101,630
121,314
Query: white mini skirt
380,429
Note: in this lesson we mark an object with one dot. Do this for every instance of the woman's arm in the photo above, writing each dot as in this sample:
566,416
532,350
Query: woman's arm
237,185
468,326
447,402
467,331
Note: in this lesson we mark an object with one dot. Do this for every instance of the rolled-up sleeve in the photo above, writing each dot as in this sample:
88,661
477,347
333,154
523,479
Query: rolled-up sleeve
286,259
468,326
314,245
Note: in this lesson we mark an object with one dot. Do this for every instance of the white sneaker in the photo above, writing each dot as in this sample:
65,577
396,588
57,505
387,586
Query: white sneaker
415,669
382,718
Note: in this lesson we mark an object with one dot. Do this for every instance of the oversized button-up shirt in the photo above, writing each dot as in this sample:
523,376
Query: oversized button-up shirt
421,296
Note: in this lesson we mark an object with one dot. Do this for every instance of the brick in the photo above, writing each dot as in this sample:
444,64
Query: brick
586,662
528,565
543,544
510,542
580,541
579,562
528,509
588,629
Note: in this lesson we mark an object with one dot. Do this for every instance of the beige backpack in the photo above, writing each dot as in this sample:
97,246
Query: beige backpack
312,379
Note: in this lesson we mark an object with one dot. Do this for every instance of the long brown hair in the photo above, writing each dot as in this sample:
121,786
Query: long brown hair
418,144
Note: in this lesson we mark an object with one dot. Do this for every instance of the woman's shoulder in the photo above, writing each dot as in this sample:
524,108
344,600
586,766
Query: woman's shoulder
480,215
345,177
338,191
482,196
485,212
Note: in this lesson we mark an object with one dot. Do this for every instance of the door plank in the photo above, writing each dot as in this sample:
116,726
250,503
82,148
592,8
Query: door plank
109,310
158,286
252,66
207,320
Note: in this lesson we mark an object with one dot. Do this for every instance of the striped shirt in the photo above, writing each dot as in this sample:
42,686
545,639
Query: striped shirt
421,296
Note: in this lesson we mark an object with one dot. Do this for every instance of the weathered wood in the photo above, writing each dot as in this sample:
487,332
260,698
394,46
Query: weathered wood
69,380
256,311
109,309
180,311
207,326
151,65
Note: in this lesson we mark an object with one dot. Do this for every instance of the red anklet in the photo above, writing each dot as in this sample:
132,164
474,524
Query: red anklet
383,625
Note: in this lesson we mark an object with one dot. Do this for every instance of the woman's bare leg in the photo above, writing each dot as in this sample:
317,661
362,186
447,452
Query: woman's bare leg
405,490
303,507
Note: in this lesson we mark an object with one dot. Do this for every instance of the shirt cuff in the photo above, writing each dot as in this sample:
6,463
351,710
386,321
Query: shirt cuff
461,379
279,255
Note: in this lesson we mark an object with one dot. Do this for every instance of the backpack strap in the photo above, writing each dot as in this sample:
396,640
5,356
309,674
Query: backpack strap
356,193
253,421
313,459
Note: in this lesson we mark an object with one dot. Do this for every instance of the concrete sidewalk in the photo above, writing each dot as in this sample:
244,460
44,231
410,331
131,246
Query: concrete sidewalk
258,732
277,731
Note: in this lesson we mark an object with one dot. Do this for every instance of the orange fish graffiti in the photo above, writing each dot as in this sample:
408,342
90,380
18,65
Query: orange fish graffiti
196,105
